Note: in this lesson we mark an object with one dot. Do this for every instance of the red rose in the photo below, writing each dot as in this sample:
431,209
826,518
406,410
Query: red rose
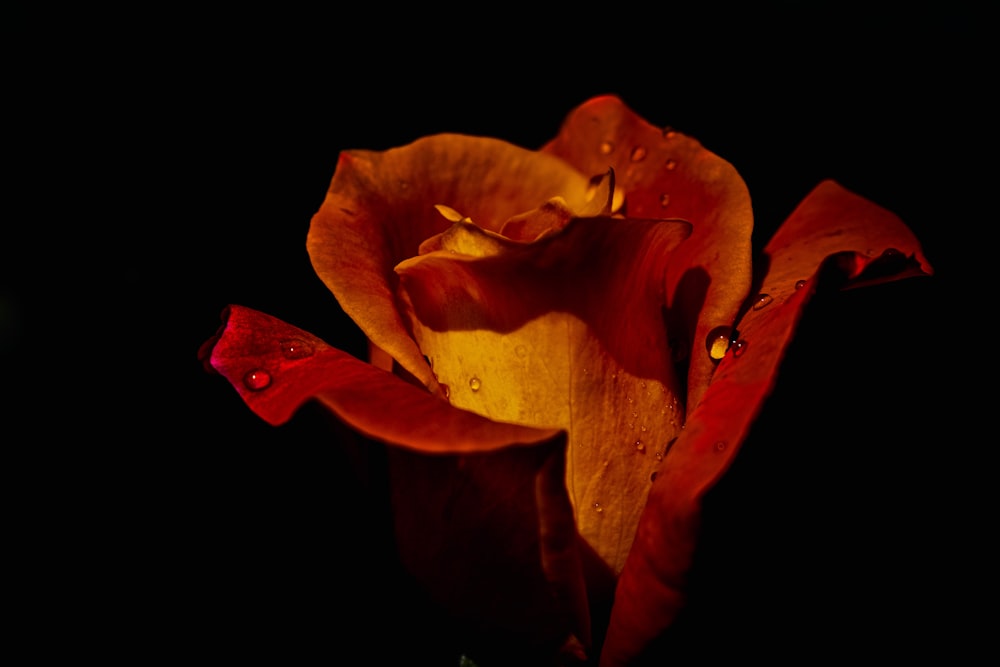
568,347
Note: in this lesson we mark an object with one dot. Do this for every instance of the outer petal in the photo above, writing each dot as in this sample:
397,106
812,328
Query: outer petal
567,332
665,173
380,207
481,511
834,238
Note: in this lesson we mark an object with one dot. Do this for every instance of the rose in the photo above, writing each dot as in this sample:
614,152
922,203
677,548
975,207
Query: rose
562,327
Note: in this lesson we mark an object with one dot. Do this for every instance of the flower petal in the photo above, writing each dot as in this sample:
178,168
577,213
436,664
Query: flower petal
381,205
567,332
665,173
480,508
834,238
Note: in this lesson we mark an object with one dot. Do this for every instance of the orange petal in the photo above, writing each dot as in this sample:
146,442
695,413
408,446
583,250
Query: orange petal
480,507
834,238
381,206
567,332
665,173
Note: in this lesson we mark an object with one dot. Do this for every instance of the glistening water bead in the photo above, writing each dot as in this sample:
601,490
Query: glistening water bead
475,383
296,348
762,300
257,379
718,341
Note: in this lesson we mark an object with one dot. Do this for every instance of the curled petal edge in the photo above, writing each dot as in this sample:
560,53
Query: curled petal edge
276,368
650,592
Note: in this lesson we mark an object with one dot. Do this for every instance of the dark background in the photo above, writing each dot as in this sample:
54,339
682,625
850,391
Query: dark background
850,523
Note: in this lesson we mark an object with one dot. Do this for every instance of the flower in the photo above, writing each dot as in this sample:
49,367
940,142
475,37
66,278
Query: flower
567,348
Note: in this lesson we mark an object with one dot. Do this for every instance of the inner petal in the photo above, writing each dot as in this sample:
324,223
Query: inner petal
568,333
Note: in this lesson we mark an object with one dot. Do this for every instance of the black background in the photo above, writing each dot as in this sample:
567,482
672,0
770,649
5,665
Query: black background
183,525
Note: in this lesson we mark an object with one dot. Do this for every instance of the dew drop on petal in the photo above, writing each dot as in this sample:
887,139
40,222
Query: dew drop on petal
739,347
799,284
664,200
640,445
475,383
652,476
669,132
718,341
598,508
670,164
763,299
607,148
638,154
720,446
257,379
296,348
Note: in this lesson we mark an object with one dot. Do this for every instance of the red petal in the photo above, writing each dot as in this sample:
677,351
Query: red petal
480,507
833,238
665,173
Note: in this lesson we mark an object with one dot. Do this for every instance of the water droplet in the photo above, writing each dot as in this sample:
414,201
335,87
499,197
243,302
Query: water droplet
521,351
257,379
718,341
629,398
638,154
296,348
664,200
670,164
652,476
739,347
720,446
763,299
446,389
598,508
659,456
669,132
607,148
640,445
475,383
799,284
